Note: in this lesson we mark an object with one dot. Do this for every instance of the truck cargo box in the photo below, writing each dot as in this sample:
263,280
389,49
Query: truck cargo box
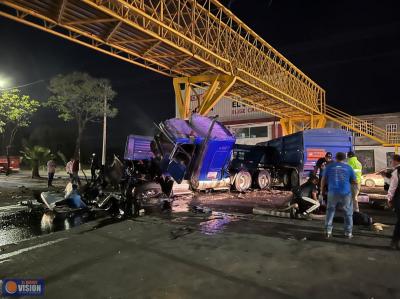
303,149
138,148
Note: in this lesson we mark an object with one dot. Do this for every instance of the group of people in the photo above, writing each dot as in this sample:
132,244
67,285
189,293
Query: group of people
338,184
333,183
72,169
72,197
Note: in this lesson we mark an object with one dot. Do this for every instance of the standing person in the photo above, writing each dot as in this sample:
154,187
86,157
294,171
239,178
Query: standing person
355,189
393,198
51,170
75,172
68,168
318,169
339,176
94,165
322,163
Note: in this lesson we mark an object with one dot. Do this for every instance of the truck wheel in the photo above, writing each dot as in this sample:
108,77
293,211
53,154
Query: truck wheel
291,179
286,180
370,183
263,179
294,179
242,181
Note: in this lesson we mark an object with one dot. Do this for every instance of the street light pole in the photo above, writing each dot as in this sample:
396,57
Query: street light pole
103,154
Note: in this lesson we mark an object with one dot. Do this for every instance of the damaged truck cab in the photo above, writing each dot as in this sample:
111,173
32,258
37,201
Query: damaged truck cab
197,151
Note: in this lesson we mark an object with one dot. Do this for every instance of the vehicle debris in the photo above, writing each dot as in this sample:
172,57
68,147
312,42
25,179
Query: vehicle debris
180,232
198,209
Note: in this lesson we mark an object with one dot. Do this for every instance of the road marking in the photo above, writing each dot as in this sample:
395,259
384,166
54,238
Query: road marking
17,252
4,261
11,207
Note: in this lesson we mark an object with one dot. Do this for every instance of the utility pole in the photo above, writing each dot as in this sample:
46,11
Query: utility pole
103,154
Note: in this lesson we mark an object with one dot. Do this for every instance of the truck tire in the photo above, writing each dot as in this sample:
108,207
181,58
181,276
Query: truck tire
370,183
263,179
294,179
242,181
286,180
291,179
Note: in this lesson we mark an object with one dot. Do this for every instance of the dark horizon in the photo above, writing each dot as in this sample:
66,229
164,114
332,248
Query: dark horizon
350,49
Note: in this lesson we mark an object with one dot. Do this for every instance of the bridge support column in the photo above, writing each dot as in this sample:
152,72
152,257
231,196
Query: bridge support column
216,87
294,124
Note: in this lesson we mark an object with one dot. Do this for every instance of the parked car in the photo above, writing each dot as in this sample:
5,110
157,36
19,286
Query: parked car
375,179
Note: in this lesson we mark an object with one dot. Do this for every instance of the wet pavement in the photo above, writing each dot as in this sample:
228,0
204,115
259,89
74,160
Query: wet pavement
213,214
206,255
218,249
18,223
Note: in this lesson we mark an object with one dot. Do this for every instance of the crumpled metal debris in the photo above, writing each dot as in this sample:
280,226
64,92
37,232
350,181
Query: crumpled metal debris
198,209
180,232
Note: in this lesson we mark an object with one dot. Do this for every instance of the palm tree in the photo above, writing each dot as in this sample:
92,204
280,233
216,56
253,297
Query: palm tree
36,155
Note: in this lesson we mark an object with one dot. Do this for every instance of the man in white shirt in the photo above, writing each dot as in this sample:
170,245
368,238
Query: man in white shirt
51,170
68,168
393,197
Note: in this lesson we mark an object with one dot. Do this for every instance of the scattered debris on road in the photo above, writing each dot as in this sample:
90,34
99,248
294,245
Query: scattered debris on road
180,232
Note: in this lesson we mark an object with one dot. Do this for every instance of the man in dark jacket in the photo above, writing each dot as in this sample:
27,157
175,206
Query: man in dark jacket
393,197
322,163
94,165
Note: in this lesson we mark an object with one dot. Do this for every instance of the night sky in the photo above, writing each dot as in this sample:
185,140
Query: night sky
350,48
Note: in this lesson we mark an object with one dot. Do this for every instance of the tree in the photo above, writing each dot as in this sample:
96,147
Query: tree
36,155
80,97
16,111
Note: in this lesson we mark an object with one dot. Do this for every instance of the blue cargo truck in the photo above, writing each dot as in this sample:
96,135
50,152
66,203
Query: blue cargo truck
201,154
196,153
297,154
138,148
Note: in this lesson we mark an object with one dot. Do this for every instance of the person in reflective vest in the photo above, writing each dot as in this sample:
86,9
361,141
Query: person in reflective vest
357,167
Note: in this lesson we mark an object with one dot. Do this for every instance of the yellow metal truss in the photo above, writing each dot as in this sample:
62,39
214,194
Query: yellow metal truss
295,124
189,39
217,87
179,38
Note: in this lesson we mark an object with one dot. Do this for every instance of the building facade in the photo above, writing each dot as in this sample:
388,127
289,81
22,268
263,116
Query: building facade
249,125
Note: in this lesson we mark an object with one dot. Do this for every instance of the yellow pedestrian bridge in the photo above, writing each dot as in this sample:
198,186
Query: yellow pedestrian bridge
198,43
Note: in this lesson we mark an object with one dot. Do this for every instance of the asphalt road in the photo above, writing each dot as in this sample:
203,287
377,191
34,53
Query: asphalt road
222,255
198,256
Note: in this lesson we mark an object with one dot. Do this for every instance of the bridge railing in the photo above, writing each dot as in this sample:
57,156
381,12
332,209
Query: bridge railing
363,127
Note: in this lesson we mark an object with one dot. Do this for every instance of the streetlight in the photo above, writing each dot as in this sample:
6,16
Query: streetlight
4,82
